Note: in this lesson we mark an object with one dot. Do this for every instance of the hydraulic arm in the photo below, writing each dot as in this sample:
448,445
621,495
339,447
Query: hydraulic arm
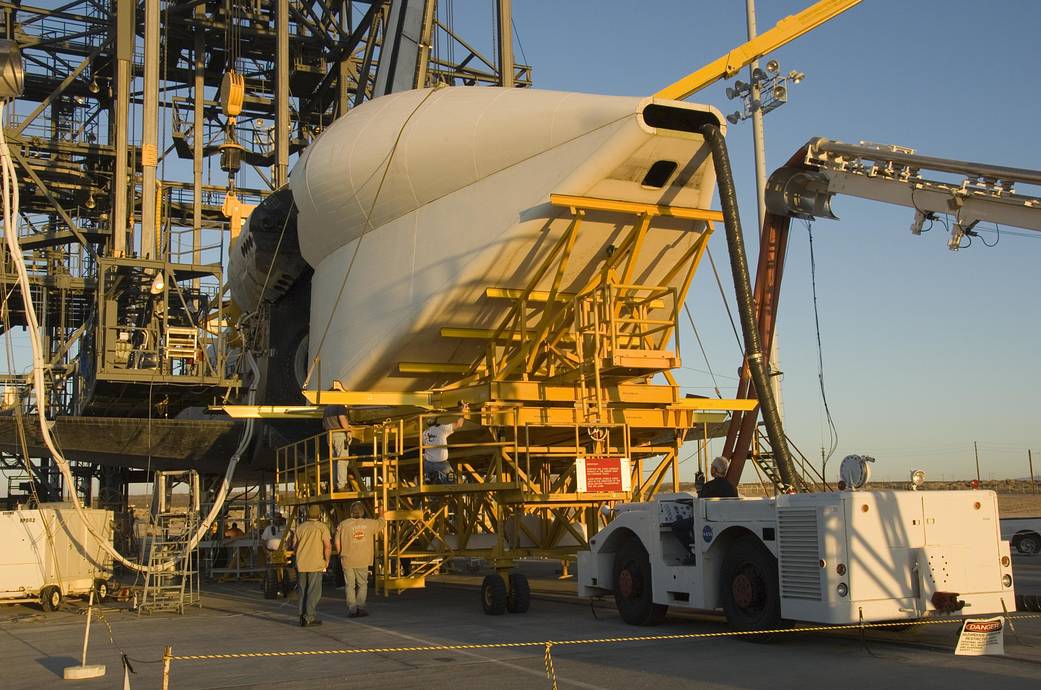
969,192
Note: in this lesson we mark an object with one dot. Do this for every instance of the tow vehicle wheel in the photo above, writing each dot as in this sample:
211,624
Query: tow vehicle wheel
51,598
632,586
1028,602
751,593
519,598
493,595
1029,545
100,591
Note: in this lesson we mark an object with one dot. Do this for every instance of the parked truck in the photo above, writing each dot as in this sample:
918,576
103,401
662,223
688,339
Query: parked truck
49,554
830,557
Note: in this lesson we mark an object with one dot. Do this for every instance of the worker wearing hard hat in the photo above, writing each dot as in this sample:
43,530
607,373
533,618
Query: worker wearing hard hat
436,469
353,541
313,548
718,486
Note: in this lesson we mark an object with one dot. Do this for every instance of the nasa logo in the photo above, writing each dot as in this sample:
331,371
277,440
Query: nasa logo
707,534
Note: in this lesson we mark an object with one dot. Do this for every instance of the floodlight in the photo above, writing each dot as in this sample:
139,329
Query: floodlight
796,77
158,283
917,479
734,117
773,67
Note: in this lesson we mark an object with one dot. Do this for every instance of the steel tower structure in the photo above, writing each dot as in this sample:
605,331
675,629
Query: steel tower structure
145,134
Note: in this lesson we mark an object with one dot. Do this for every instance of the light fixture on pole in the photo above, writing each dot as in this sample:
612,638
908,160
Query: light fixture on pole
771,87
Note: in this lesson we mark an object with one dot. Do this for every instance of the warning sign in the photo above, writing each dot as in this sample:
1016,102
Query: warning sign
980,636
602,475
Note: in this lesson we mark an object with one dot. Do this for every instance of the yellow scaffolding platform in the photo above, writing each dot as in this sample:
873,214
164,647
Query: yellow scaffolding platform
572,408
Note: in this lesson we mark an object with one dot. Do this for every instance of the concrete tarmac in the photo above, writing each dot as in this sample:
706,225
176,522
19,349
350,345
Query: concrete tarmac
35,647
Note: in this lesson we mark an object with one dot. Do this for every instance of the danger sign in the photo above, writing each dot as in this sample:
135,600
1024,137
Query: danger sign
602,475
980,636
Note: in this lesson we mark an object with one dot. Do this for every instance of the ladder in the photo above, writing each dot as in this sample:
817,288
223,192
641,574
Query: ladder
177,585
172,580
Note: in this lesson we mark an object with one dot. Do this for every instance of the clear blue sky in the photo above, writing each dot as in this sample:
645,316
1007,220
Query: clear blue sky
925,350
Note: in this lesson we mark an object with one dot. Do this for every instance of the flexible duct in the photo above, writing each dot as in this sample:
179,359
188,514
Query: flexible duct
10,225
746,303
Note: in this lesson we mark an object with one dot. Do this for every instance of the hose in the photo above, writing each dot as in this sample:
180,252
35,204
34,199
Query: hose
10,225
746,302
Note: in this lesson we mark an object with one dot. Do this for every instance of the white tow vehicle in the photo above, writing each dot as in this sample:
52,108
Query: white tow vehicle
833,558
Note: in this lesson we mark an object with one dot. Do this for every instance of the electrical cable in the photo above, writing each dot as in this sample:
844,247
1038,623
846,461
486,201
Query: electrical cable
10,213
833,434
997,229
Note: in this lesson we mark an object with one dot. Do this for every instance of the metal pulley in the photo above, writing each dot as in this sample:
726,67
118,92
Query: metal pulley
12,71
232,93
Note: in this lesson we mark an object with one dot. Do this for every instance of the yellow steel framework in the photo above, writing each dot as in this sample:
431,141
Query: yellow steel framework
564,377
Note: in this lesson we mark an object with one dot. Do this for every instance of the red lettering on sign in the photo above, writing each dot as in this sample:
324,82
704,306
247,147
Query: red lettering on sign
604,474
983,627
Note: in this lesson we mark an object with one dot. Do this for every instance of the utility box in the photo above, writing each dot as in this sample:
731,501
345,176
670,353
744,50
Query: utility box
48,554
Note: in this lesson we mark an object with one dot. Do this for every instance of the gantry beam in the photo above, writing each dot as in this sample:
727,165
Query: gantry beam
785,31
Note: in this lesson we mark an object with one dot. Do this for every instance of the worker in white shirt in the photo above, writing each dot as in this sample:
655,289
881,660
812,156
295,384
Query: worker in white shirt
354,542
435,447
271,537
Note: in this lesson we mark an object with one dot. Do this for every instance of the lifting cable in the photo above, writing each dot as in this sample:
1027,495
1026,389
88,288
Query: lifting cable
10,197
697,336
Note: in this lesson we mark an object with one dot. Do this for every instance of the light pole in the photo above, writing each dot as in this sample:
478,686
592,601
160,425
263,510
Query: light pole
765,91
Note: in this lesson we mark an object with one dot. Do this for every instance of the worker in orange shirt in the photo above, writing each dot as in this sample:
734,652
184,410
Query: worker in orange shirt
354,542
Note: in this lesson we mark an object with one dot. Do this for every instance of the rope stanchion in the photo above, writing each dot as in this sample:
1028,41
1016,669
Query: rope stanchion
550,671
167,657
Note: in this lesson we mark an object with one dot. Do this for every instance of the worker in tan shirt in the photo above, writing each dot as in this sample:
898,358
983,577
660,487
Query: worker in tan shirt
354,543
313,549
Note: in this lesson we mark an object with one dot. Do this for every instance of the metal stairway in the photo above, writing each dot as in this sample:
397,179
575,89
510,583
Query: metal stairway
176,586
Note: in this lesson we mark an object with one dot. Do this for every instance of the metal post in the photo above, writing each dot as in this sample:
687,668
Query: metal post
426,38
505,13
150,130
86,631
1030,461
759,146
282,122
167,654
199,94
757,121
976,450
125,39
